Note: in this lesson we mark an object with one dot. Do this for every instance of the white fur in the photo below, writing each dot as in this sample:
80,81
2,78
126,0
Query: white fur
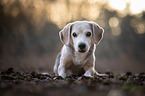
81,29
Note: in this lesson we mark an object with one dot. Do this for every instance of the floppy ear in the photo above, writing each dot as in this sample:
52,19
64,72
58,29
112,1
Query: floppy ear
97,32
65,34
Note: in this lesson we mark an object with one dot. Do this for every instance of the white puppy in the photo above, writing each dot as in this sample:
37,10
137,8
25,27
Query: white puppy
78,53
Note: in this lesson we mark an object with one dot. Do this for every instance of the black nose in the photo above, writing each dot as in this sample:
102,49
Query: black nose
82,45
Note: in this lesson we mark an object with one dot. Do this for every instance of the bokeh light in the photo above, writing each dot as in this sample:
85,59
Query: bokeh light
62,11
140,28
113,22
137,6
117,4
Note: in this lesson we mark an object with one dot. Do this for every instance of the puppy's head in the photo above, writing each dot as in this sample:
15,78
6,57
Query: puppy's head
81,34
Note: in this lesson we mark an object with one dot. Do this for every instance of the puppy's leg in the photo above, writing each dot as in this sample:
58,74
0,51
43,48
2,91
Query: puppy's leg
61,71
89,72
96,73
57,63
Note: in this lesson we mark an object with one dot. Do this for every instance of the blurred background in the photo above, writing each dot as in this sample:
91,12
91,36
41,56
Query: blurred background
29,32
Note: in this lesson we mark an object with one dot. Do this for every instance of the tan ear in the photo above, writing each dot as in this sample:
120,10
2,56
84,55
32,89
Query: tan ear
97,32
65,34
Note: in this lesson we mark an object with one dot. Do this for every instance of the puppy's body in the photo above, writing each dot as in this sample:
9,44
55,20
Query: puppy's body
78,53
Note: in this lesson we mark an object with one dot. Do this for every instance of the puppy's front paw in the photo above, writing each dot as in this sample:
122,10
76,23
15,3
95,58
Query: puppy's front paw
103,75
63,75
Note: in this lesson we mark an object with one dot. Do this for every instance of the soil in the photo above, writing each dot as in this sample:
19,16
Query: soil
14,83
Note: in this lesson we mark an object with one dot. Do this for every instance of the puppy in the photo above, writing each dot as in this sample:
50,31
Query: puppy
78,53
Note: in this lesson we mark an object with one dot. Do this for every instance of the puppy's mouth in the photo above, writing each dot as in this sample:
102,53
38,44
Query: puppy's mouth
82,51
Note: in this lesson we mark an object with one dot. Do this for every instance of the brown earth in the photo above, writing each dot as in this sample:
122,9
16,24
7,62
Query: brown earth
14,83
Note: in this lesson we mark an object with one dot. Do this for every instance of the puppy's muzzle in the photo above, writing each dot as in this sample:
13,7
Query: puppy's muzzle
82,47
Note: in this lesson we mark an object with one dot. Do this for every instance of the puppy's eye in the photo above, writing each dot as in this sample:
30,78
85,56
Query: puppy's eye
88,34
74,34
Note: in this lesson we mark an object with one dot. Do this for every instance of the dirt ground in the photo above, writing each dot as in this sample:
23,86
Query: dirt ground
14,83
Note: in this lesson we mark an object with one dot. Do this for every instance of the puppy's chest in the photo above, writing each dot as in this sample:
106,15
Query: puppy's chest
79,59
